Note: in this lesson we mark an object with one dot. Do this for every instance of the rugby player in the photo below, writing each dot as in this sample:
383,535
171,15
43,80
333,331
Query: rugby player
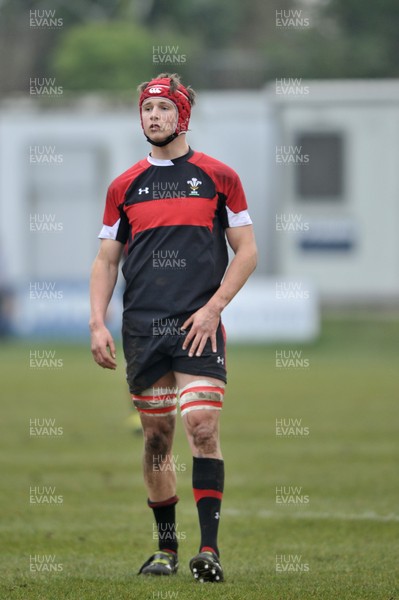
175,209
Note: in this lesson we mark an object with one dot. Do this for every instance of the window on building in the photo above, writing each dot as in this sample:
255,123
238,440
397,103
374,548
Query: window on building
321,178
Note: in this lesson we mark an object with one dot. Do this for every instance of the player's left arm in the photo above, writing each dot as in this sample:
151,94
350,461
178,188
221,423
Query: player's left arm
204,322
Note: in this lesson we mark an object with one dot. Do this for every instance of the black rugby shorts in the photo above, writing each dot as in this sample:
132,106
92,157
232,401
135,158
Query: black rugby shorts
150,357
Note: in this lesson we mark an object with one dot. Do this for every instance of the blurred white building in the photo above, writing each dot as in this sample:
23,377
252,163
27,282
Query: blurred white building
318,160
341,187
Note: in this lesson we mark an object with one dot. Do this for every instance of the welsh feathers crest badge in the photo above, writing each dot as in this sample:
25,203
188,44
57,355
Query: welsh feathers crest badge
194,184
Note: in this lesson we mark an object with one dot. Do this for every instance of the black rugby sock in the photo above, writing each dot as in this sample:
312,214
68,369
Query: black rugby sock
208,484
165,517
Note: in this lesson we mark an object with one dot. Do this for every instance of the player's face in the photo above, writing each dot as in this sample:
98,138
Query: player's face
159,118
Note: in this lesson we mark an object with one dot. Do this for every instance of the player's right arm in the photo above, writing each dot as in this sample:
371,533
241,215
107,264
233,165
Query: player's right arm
102,283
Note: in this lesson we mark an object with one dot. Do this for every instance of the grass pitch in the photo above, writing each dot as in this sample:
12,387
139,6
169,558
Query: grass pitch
334,537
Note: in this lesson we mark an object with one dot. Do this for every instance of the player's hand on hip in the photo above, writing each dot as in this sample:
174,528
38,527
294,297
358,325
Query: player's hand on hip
103,347
204,323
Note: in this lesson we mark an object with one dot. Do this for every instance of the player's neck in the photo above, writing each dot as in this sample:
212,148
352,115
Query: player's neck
178,147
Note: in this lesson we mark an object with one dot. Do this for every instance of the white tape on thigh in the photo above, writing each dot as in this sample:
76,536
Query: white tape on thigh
201,395
156,402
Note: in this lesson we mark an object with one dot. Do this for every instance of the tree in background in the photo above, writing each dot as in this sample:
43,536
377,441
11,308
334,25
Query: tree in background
346,39
221,44
109,44
370,32
116,56
28,51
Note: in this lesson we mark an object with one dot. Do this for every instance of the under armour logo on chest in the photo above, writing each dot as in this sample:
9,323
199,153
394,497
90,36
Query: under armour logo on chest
145,190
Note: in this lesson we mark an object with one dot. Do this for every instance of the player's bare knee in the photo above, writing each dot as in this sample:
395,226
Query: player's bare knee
158,436
205,438
156,443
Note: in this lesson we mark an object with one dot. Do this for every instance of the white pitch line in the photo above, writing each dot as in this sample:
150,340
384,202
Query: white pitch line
306,514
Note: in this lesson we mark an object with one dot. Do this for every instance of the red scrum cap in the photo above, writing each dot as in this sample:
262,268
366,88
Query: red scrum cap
161,88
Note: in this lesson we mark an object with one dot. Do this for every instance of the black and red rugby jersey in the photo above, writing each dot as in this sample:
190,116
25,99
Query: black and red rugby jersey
173,214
